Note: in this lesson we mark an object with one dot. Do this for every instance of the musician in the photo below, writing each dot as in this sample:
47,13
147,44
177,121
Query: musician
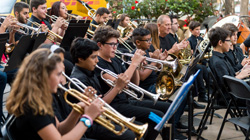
164,25
106,38
30,101
153,28
220,40
101,17
172,36
84,53
245,44
39,10
21,11
194,28
235,53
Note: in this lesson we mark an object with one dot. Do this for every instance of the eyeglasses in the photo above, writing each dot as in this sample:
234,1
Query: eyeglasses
228,40
112,44
148,40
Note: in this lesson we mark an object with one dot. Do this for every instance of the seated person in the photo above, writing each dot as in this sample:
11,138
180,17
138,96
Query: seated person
219,64
30,101
106,38
84,53
235,55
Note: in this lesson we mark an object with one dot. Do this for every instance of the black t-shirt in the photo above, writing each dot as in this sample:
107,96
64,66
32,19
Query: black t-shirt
151,48
28,125
60,107
151,79
172,39
35,19
86,77
193,41
116,67
235,57
164,43
220,67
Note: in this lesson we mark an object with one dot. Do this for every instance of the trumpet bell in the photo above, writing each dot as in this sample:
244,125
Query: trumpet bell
165,85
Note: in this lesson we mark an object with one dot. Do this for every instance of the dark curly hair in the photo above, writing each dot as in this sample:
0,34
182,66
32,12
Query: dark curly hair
104,33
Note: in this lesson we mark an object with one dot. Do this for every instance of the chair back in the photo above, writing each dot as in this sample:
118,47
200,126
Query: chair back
238,87
8,129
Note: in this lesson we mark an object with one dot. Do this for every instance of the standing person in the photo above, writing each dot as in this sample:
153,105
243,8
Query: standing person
235,54
30,100
39,10
194,27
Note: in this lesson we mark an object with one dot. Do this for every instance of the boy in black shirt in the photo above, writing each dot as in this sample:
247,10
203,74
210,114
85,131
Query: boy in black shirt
235,54
84,53
106,38
220,40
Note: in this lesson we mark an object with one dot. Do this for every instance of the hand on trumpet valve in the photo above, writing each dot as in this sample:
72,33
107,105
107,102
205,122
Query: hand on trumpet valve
90,92
138,57
121,82
156,54
94,109
9,20
60,22
44,28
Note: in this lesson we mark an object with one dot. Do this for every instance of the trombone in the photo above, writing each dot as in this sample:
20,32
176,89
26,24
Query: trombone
77,83
91,11
106,117
173,64
154,97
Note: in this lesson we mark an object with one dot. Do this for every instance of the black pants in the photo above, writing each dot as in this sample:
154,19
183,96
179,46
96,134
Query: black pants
141,110
202,75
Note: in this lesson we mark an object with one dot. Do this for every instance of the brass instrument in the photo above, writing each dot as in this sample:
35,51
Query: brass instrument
202,47
168,80
106,117
173,63
77,83
70,16
53,18
185,55
143,92
91,11
9,47
52,36
125,31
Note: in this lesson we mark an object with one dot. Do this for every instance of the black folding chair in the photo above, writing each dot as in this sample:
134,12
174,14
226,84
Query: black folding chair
241,90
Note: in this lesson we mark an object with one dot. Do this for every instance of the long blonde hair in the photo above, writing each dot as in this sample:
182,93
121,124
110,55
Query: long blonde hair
152,27
30,88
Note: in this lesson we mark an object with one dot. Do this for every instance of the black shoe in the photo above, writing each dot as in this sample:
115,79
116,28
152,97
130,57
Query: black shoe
181,127
203,98
179,136
198,106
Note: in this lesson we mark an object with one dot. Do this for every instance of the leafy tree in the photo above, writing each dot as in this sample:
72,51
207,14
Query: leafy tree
152,9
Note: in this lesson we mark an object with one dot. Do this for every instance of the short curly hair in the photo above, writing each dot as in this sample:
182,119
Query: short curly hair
104,33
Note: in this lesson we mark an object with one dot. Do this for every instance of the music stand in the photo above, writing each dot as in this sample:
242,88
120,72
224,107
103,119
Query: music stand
113,23
3,40
182,93
39,39
76,28
23,47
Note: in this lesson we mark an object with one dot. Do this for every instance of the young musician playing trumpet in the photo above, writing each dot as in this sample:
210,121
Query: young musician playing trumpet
39,10
30,100
84,53
106,38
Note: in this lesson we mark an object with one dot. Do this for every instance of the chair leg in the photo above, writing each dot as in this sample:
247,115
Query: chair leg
224,121
247,134
212,115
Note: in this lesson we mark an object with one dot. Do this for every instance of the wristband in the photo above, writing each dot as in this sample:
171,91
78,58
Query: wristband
86,116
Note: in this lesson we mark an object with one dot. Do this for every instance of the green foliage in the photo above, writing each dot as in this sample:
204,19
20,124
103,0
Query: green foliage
152,9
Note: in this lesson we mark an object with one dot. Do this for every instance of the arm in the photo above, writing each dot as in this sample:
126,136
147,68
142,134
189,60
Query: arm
50,131
242,46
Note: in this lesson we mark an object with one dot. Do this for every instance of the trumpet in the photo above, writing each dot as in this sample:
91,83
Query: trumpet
77,83
154,97
52,36
106,117
53,18
91,11
173,64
